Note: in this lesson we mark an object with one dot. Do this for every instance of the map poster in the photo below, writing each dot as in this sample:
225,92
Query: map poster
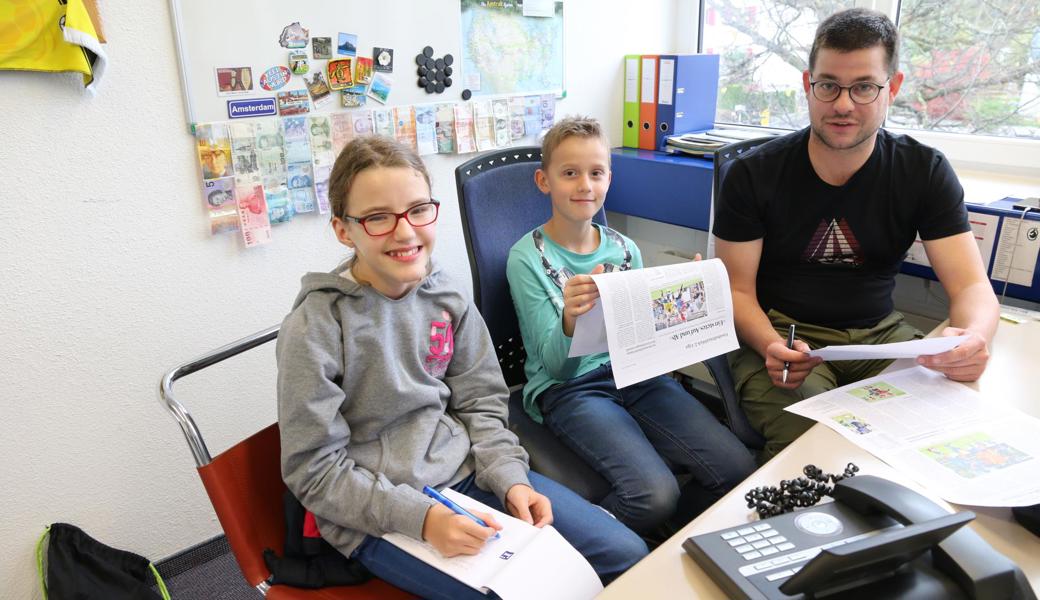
504,52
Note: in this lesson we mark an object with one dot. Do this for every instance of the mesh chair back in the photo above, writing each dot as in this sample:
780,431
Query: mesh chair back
500,202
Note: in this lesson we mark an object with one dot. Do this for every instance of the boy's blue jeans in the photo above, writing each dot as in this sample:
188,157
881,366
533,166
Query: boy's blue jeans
633,436
610,547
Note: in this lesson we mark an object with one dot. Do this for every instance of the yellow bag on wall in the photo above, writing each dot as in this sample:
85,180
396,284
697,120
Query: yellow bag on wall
50,35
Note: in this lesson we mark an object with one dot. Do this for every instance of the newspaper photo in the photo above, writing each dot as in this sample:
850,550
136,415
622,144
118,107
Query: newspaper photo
940,432
658,319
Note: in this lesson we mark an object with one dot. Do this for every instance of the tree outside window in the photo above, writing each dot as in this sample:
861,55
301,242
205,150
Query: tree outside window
972,67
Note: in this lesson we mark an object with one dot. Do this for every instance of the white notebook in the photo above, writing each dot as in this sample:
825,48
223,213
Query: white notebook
524,562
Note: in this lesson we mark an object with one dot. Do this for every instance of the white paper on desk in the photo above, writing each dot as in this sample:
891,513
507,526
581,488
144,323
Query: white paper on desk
519,565
911,349
966,448
659,319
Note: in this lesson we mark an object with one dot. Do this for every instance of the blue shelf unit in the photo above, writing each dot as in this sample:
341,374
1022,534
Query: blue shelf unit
661,187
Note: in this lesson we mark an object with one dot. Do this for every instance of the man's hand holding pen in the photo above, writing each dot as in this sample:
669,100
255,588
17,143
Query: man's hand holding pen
799,363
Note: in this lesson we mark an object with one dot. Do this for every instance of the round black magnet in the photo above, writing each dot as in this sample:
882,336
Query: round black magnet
430,87
420,59
427,51
448,71
421,71
466,94
440,63
431,64
439,87
448,59
439,75
447,82
423,82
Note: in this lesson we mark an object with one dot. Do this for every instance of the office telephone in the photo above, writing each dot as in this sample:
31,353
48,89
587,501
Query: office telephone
877,540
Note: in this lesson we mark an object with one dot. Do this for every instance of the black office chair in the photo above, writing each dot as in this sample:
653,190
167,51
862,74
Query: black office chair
719,365
500,203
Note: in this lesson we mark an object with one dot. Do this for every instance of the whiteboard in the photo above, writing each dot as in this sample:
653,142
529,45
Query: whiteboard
212,34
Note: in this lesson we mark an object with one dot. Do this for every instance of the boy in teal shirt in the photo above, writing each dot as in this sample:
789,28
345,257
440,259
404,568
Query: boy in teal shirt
633,435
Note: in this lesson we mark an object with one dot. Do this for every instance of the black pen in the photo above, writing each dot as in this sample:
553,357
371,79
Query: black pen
790,345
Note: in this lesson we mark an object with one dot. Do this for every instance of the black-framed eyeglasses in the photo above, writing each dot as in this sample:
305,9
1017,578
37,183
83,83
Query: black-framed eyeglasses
379,224
861,92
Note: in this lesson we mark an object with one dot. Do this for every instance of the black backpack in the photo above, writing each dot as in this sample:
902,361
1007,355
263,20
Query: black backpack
309,561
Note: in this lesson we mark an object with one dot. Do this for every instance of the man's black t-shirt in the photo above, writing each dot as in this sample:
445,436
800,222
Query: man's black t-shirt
830,254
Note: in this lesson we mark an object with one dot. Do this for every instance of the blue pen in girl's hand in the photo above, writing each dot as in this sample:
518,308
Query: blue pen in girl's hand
439,497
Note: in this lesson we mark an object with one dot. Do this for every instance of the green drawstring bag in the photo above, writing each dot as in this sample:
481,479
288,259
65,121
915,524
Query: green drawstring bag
82,568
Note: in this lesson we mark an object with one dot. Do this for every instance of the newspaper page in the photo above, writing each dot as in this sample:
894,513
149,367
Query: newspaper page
942,433
660,319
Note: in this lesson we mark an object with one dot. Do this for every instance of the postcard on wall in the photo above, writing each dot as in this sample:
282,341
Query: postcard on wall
500,108
339,74
363,70
321,47
464,136
384,59
383,122
294,36
354,96
362,120
483,125
380,88
244,155
404,125
279,205
445,119
214,147
320,127
293,102
346,44
342,131
658,319
516,118
220,204
425,129
234,80
253,219
318,89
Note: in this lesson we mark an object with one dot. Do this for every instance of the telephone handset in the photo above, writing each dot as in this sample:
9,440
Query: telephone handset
874,541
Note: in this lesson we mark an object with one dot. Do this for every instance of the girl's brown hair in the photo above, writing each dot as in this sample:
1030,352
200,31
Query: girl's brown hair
364,153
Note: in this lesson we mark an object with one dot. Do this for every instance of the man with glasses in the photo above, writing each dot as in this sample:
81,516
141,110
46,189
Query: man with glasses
813,227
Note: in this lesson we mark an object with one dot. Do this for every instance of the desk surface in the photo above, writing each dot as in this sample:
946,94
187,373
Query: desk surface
1012,377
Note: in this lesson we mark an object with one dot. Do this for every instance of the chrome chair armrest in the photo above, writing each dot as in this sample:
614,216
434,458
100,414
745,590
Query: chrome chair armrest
191,431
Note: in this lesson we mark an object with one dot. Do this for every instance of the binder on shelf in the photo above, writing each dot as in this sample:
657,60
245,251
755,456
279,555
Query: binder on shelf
688,91
630,111
648,102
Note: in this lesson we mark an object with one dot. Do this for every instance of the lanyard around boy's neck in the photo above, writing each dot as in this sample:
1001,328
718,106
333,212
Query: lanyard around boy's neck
559,276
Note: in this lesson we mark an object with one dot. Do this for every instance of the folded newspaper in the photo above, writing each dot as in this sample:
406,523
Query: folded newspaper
658,319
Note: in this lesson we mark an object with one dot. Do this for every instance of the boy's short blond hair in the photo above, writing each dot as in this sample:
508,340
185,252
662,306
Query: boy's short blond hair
578,126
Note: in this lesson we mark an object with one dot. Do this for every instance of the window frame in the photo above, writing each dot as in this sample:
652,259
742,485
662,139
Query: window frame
998,155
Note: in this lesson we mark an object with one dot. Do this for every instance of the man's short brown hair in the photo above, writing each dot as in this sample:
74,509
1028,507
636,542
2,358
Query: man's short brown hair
584,127
856,29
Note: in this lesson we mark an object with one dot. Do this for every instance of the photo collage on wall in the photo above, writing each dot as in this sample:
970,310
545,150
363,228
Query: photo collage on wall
271,160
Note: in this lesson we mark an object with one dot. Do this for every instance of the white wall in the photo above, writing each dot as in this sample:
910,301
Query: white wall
110,278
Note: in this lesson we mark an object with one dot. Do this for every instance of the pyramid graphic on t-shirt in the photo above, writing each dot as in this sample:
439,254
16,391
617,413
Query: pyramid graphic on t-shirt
833,243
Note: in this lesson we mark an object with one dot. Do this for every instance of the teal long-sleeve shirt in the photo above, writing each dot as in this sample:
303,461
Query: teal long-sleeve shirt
539,307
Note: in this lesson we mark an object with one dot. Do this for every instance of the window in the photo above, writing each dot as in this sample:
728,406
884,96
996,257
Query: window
971,67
